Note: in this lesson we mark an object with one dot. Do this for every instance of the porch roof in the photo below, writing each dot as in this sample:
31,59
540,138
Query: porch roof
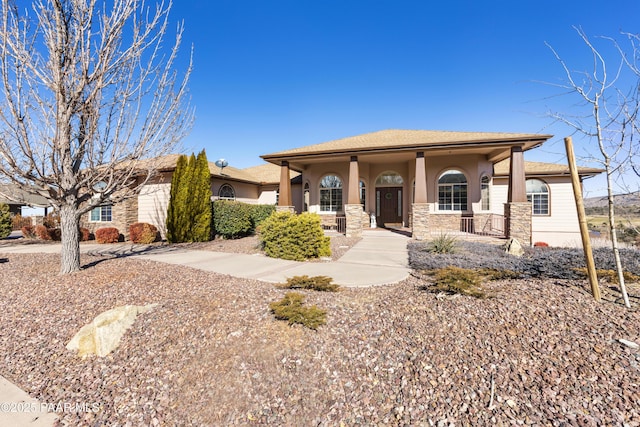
495,145
544,169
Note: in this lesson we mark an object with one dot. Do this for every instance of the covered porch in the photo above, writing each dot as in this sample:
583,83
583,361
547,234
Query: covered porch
428,182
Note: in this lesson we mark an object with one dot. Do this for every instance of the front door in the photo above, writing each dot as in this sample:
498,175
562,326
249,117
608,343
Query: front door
389,206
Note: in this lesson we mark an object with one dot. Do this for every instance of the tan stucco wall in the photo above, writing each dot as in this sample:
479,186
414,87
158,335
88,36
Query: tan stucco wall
561,227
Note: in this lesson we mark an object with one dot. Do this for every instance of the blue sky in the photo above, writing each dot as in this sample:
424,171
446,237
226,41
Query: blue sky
273,75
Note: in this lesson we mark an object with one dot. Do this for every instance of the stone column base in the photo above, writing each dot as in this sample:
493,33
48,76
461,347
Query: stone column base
291,209
420,229
518,221
354,220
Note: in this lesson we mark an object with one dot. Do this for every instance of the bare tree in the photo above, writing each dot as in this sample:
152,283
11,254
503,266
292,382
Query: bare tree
610,121
89,98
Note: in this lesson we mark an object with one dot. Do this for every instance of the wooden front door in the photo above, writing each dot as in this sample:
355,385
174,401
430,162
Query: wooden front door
388,205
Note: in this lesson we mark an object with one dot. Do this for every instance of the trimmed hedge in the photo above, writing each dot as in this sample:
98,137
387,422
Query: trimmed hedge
295,237
142,232
85,234
233,220
107,235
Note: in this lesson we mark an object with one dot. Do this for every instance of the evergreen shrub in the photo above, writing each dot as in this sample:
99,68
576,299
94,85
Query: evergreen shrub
291,309
6,224
316,283
232,219
294,237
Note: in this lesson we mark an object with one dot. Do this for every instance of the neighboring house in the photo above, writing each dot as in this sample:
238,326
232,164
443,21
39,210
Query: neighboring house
430,181
18,199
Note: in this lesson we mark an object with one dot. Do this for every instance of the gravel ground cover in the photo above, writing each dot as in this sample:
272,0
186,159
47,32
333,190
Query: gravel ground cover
540,352
555,263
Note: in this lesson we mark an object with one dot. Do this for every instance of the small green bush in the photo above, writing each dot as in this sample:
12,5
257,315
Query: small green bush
456,280
316,283
6,224
294,237
495,274
291,309
143,233
443,244
231,219
611,276
107,235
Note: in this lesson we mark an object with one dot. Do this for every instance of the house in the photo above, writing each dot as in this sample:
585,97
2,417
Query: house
17,199
429,181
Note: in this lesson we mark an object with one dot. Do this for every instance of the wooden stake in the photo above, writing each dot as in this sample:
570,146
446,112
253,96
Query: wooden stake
584,231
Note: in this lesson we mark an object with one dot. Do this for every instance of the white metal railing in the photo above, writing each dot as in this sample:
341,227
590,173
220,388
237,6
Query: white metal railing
493,225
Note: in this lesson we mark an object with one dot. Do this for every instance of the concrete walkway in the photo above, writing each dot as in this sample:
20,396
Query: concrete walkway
379,258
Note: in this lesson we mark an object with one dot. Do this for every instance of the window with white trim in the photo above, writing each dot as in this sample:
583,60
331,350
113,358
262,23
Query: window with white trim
485,193
331,194
363,194
538,195
452,191
101,214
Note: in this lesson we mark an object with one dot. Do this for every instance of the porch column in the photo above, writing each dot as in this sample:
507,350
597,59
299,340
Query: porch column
420,207
353,209
517,210
284,198
517,186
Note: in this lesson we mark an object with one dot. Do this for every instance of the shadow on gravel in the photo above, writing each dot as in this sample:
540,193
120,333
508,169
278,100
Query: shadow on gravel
124,251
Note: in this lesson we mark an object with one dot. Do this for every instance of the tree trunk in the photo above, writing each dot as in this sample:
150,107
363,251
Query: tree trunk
70,228
614,239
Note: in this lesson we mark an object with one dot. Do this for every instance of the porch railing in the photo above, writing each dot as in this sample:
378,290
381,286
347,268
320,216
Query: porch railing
492,225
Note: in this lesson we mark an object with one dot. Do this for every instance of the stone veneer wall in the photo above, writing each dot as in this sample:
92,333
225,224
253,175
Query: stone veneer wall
518,219
123,214
420,220
445,222
291,209
354,216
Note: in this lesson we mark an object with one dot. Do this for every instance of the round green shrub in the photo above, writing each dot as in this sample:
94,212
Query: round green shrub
294,237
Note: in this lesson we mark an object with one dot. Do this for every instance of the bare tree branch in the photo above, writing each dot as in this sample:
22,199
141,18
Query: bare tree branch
88,92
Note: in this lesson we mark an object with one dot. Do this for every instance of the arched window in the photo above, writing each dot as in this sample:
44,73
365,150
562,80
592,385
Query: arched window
330,194
363,194
226,192
452,191
484,193
389,179
538,195
305,198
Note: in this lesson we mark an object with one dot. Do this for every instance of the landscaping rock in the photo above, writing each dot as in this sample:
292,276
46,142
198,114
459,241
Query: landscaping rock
103,334
514,248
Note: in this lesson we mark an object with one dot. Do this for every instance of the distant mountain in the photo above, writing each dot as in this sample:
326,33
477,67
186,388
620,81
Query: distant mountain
629,199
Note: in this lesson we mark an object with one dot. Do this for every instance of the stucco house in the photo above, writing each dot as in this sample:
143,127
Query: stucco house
428,181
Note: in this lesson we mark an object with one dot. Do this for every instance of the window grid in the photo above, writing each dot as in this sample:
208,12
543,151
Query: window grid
101,214
452,197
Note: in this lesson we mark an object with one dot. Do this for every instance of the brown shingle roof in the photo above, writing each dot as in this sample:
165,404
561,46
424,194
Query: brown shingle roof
267,173
540,168
396,138
12,195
